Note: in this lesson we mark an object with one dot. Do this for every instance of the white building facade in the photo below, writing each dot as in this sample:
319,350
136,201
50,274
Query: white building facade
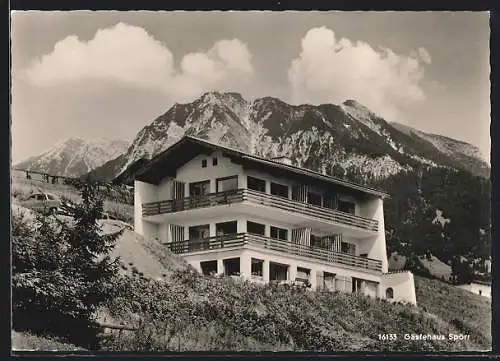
228,212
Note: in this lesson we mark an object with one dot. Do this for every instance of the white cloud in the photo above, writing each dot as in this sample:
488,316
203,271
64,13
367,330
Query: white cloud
333,70
128,54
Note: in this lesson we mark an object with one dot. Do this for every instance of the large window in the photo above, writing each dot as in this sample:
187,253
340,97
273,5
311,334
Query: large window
256,228
279,233
279,190
346,206
256,184
226,184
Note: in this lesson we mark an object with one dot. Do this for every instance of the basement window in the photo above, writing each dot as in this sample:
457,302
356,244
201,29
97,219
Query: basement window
232,267
278,271
257,267
208,268
204,163
303,274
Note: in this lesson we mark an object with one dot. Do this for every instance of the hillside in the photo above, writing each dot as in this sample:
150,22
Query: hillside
203,313
174,308
74,157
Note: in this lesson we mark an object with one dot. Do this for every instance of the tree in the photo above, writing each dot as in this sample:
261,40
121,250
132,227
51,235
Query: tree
62,270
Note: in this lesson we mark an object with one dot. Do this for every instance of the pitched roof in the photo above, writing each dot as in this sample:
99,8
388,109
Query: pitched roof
166,163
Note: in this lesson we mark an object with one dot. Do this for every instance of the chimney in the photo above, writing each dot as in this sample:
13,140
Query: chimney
283,159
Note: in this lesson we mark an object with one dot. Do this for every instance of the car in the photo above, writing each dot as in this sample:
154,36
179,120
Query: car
108,218
42,202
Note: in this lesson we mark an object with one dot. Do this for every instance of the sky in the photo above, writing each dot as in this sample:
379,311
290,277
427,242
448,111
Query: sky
107,74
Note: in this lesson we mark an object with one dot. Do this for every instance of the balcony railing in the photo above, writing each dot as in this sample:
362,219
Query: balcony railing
240,195
242,239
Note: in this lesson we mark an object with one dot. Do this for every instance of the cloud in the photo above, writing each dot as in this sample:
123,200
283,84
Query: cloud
333,70
128,54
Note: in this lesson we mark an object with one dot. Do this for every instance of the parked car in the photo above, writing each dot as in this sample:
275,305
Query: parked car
42,202
113,220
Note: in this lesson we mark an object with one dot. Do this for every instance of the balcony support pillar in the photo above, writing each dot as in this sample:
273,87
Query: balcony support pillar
220,266
265,270
245,266
292,272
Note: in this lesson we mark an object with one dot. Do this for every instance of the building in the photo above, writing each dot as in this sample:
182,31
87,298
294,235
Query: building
232,213
478,288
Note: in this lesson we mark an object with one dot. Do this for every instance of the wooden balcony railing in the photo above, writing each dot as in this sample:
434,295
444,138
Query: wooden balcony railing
241,239
240,195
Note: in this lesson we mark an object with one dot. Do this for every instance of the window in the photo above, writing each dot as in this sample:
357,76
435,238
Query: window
347,207
198,232
231,267
199,189
279,190
314,198
279,233
389,293
302,274
329,281
214,161
226,228
256,184
198,237
357,285
348,248
226,184
208,267
330,200
204,163
257,267
278,272
256,228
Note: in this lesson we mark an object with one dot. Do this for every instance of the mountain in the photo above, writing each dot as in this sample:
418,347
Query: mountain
74,157
346,140
467,154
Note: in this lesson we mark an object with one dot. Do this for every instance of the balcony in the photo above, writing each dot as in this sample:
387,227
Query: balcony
259,198
242,240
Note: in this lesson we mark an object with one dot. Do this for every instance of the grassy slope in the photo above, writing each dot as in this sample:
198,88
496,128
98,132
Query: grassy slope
23,341
469,312
22,188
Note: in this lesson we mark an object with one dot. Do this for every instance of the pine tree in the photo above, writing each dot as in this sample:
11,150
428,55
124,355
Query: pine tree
62,270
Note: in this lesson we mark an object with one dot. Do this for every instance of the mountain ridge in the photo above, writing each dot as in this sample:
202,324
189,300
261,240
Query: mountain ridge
74,156
350,139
